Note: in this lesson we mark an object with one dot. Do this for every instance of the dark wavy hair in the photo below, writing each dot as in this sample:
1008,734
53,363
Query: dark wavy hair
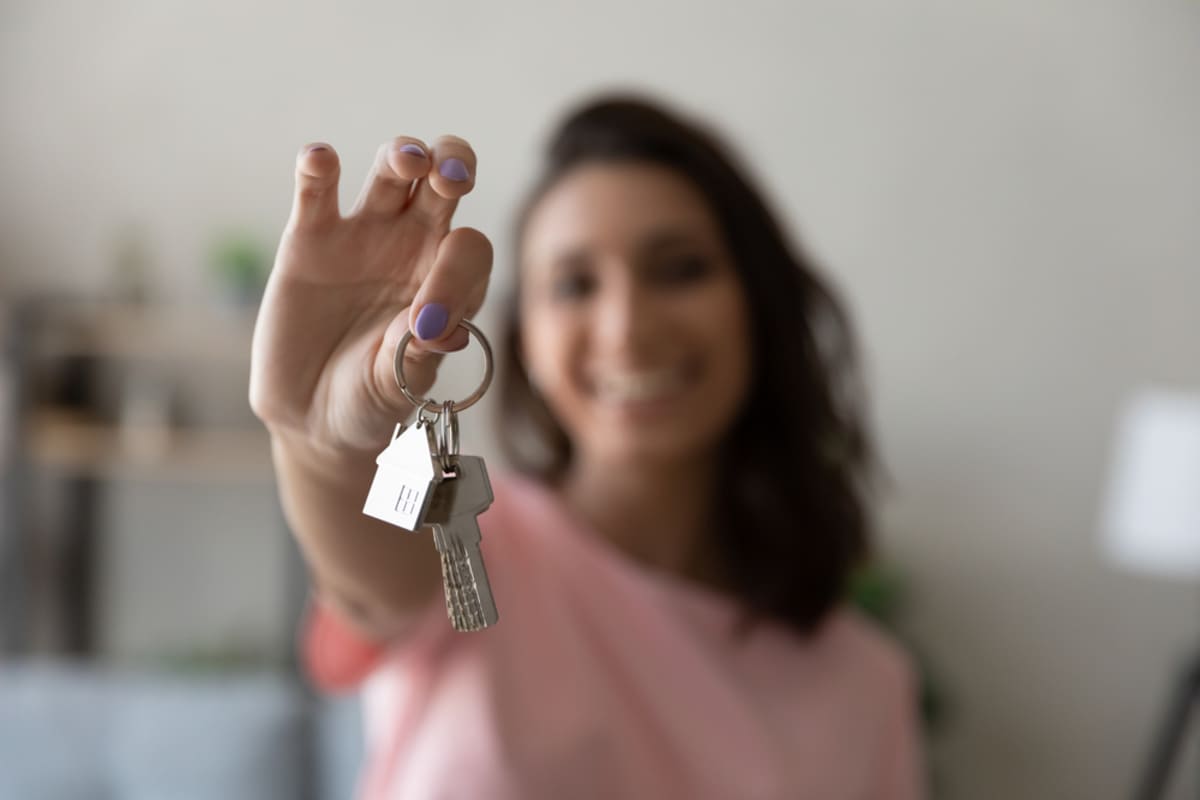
798,461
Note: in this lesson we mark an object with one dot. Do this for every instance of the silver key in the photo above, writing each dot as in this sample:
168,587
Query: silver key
457,501
405,477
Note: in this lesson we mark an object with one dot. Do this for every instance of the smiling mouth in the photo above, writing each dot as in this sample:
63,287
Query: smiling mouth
642,386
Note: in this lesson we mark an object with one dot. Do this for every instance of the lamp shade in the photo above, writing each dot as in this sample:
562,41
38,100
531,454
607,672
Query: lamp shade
1151,518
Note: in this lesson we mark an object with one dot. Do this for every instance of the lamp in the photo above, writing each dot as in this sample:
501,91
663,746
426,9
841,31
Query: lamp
1151,524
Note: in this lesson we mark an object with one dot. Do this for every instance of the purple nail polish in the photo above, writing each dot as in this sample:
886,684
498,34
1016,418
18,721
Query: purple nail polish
431,321
412,149
454,169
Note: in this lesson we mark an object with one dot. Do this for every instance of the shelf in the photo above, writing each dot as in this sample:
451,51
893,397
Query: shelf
71,443
177,333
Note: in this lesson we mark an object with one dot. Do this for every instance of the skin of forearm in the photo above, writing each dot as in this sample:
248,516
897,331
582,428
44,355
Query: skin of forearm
376,575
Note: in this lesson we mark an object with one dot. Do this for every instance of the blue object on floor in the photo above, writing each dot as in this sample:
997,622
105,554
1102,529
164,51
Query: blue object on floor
77,733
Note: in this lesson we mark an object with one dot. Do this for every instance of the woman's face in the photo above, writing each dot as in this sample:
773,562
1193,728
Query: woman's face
633,319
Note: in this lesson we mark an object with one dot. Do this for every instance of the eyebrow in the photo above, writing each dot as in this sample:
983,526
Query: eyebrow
657,241
665,239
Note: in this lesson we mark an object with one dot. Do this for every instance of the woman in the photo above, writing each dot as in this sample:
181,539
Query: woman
681,405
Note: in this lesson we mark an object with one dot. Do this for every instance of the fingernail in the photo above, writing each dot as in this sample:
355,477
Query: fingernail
317,147
454,169
431,321
412,149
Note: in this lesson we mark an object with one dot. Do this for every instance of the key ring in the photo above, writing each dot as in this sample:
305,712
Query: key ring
424,404
447,436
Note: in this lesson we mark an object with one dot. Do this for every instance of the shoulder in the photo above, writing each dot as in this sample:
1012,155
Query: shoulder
518,502
511,488
863,653
524,526
847,656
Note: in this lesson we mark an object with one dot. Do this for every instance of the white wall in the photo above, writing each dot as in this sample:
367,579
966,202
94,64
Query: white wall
1007,190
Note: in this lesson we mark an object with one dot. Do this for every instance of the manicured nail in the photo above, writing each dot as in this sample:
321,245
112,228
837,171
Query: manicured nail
454,169
412,149
317,147
431,321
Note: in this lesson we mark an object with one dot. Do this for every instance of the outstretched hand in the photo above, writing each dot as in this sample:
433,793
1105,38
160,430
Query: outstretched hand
344,289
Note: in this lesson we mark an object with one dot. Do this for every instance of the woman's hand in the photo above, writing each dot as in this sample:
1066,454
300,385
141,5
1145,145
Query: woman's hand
345,289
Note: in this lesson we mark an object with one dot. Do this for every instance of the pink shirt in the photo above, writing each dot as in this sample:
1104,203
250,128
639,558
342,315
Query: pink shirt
606,679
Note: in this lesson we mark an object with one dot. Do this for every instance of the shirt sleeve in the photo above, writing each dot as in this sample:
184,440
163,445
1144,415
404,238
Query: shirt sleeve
335,656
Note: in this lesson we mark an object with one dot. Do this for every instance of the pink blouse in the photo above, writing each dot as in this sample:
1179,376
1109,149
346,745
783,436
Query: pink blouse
606,679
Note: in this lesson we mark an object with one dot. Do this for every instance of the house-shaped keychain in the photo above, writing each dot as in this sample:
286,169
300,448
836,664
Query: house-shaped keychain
405,477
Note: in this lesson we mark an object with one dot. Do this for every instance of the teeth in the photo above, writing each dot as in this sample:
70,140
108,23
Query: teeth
638,386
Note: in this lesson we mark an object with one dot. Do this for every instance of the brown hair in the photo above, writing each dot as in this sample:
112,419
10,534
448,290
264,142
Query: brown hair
798,457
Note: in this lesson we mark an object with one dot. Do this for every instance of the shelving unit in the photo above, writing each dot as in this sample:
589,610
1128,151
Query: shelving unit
84,416
70,443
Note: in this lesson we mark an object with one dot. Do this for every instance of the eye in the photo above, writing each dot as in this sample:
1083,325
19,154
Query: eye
572,286
681,269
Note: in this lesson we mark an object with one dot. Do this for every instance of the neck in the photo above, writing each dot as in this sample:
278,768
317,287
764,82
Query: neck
658,513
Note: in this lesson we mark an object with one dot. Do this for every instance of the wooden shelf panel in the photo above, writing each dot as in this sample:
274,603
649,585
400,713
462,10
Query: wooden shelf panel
174,333
74,444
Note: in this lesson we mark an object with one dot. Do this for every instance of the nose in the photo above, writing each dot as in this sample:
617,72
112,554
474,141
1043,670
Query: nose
624,319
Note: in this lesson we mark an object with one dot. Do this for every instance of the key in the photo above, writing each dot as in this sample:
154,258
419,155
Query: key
457,501
405,477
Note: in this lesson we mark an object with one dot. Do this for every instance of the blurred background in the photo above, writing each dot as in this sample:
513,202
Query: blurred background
1007,191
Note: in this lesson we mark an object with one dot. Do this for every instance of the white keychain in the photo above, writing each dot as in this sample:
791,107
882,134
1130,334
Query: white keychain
405,477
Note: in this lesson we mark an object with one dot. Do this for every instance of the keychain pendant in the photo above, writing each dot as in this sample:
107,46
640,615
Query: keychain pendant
405,477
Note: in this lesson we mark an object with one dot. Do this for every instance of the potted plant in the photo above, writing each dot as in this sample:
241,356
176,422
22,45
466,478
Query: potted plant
241,264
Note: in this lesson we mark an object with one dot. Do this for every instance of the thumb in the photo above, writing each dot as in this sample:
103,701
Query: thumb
453,290
419,363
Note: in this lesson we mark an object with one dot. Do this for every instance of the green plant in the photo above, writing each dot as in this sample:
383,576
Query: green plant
241,263
879,590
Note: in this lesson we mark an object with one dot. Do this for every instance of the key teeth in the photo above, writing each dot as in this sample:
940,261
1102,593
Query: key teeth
463,603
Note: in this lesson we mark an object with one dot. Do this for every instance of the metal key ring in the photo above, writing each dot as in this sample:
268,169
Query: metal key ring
421,402
447,436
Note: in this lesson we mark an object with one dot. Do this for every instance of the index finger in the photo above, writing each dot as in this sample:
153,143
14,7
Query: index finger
451,176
